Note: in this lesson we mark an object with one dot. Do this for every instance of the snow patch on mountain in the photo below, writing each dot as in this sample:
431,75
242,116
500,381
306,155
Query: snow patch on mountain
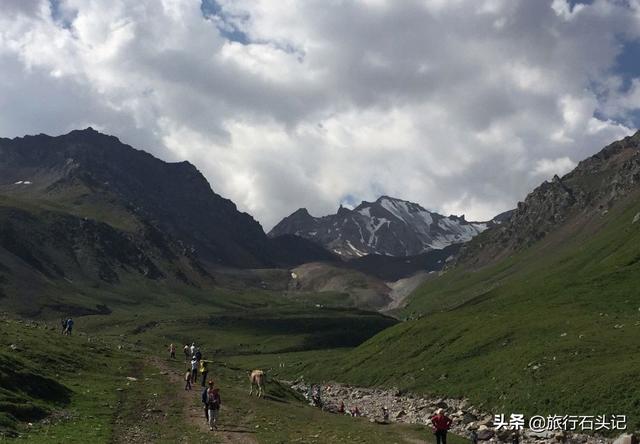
388,226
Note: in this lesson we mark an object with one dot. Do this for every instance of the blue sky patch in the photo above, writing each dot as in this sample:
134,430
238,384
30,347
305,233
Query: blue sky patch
225,24
59,16
628,62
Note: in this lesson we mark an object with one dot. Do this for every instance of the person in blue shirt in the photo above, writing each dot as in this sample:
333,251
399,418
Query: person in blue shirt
69,326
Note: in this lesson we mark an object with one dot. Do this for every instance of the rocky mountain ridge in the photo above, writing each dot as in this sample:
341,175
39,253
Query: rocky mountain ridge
86,206
388,226
588,191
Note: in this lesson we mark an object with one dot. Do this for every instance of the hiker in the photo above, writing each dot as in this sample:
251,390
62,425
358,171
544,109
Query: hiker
194,371
204,370
63,322
341,408
187,378
213,405
310,394
473,436
192,349
172,351
316,396
186,352
204,403
441,424
69,326
198,355
385,414
515,437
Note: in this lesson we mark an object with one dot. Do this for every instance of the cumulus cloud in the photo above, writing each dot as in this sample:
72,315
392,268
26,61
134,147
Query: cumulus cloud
462,106
551,167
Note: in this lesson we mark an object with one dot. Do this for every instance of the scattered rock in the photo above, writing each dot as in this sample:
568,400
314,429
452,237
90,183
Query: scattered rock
636,218
441,404
544,434
410,408
468,418
626,438
503,435
485,434
560,436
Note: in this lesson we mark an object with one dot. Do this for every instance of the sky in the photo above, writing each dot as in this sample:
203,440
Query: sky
463,106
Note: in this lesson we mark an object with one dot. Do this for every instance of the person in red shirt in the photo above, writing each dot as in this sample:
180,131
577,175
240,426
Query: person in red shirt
441,425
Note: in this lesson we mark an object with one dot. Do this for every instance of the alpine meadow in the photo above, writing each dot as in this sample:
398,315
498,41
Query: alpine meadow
363,221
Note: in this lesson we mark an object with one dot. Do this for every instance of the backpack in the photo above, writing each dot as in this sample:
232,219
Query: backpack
213,400
204,396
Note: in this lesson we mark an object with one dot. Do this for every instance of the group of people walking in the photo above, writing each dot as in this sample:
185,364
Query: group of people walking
196,364
211,400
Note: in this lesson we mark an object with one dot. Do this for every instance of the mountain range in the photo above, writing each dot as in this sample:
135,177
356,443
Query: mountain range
534,311
584,195
388,226
84,206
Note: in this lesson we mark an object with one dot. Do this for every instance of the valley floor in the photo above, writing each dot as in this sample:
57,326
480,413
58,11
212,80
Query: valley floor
112,389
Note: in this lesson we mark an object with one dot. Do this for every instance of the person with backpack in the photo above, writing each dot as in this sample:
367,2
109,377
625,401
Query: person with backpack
63,322
172,351
441,425
385,414
194,371
317,396
204,370
69,326
186,352
213,403
187,379
204,403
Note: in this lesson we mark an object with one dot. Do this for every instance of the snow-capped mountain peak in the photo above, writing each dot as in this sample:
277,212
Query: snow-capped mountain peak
388,226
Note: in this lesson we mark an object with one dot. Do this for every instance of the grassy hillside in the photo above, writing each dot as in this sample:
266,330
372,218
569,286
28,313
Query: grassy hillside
353,287
553,329
117,388
70,383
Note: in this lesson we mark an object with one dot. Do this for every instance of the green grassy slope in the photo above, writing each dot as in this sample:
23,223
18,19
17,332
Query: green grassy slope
78,389
554,329
68,382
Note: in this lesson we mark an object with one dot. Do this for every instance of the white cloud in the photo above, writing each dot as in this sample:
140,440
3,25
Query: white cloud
463,106
564,9
549,167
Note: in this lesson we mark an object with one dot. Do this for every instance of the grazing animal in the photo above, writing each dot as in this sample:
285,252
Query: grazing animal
257,378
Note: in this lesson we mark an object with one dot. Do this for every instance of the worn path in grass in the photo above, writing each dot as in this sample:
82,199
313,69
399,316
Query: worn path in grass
277,418
193,411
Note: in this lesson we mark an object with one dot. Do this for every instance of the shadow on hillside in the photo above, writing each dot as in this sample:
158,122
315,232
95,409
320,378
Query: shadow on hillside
23,393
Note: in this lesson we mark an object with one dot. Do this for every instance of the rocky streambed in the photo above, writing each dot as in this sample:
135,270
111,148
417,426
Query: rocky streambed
415,409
